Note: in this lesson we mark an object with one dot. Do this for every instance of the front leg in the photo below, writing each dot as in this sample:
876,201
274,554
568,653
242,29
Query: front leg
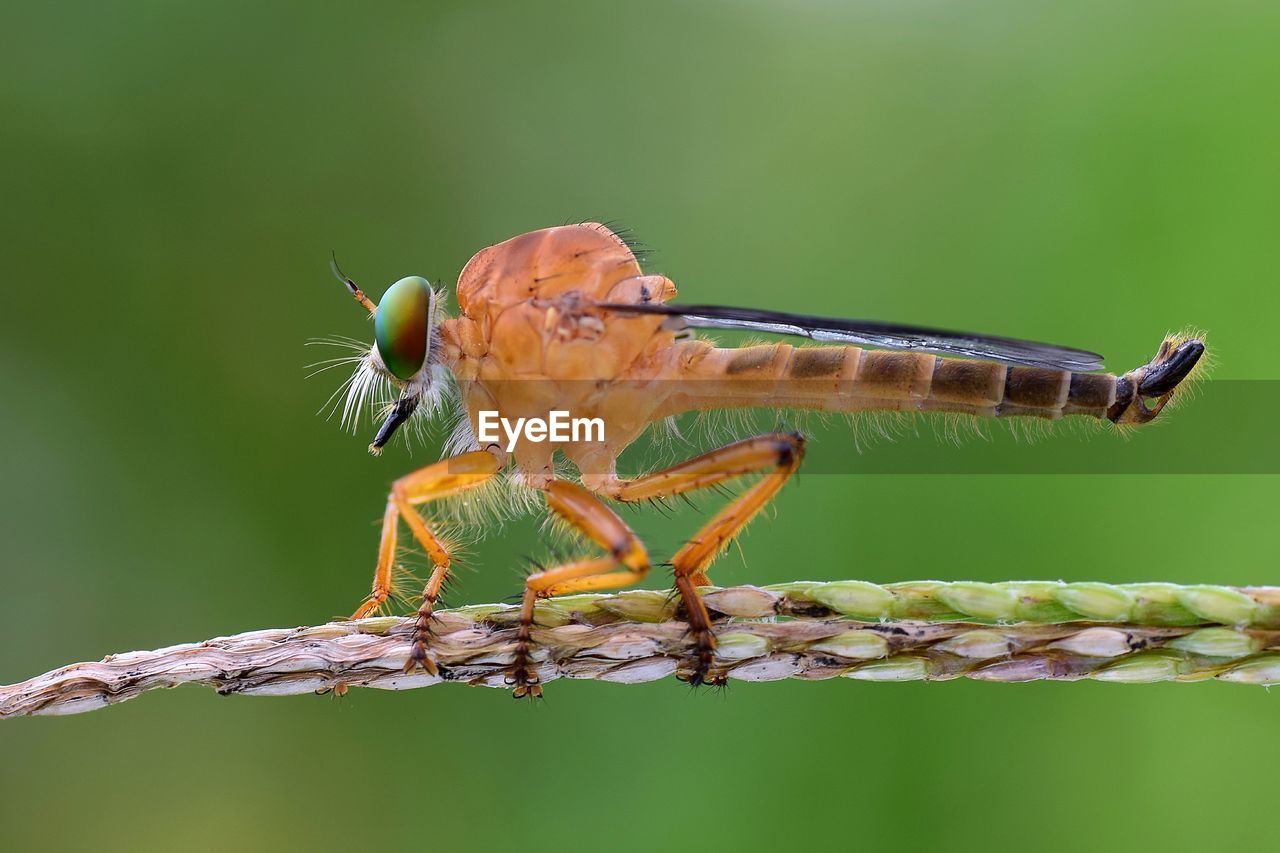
433,482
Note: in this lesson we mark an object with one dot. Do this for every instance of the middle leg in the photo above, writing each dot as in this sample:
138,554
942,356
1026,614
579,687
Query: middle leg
627,562
782,452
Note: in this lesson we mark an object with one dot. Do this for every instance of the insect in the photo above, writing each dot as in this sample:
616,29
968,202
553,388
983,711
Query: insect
564,319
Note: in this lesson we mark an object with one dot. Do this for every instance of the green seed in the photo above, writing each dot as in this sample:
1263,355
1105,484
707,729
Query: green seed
1097,601
1095,643
747,601
1157,604
979,645
739,645
856,598
1218,604
1036,602
1264,671
900,668
641,605
854,645
1142,668
921,600
980,600
1217,642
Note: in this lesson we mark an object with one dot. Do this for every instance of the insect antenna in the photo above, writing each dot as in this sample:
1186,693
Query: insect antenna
351,286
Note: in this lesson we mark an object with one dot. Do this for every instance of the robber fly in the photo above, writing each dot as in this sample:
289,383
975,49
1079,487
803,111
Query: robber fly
564,319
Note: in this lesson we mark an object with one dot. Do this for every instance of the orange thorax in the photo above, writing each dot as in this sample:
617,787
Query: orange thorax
530,340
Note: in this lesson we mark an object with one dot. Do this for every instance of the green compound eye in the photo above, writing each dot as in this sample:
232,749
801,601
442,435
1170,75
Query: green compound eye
400,326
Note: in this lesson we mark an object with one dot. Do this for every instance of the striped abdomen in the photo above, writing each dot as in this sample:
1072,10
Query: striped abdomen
851,379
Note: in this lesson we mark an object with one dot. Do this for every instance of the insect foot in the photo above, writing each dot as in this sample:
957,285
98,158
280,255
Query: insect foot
703,652
525,679
418,644
523,675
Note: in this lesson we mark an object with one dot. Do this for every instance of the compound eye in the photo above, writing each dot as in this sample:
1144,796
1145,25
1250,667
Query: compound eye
400,328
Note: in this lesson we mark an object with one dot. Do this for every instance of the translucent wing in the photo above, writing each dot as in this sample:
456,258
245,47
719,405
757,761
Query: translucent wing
875,334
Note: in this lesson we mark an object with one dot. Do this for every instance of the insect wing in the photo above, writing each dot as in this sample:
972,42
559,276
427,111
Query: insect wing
875,334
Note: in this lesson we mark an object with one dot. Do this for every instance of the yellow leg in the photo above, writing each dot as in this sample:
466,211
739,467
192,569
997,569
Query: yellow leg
438,480
627,563
782,452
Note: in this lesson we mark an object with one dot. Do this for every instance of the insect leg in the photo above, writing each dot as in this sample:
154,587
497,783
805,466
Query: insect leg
782,452
627,563
438,480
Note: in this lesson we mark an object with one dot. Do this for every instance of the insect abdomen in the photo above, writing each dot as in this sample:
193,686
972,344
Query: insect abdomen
999,390
851,379
932,383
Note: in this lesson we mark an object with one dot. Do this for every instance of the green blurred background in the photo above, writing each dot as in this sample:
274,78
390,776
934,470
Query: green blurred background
174,176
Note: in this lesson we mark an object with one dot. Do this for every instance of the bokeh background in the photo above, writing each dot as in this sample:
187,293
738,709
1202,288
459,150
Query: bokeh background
174,176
